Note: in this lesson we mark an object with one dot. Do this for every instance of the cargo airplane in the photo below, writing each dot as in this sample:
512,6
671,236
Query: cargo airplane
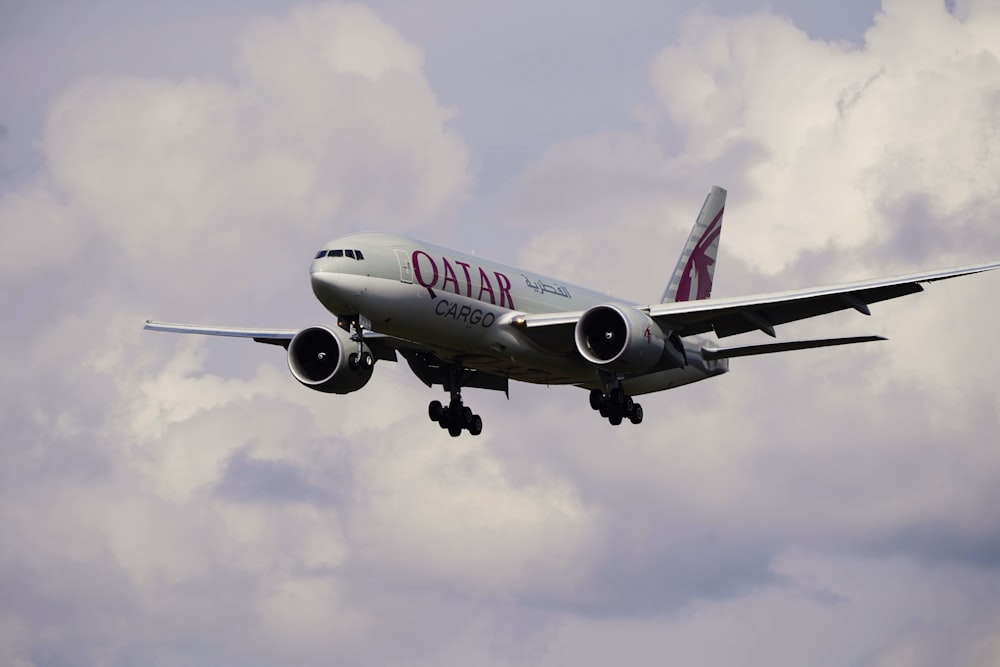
461,321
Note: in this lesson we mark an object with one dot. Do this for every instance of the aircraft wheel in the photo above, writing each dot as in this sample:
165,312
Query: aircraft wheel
435,410
352,361
476,427
618,397
367,361
596,398
605,409
635,414
615,419
467,417
454,430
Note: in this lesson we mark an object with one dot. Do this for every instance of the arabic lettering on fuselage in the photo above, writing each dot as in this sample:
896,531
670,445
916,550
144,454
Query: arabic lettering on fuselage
433,276
545,288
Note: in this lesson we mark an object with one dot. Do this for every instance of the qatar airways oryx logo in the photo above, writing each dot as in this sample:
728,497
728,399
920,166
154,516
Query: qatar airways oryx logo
432,275
696,280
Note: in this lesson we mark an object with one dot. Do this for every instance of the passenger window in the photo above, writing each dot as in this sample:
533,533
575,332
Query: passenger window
349,253
357,254
321,253
336,253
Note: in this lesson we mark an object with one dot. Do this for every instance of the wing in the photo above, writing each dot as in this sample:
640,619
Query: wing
727,317
271,336
382,346
426,365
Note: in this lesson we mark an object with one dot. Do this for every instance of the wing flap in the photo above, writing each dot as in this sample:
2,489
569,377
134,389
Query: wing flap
741,319
771,348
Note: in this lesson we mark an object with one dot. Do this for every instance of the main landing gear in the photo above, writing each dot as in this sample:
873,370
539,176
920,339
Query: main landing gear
616,406
455,417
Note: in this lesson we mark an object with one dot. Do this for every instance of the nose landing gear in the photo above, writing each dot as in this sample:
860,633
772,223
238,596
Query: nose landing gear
362,360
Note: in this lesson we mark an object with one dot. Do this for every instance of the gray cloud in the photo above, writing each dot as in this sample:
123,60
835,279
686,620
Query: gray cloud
251,479
185,501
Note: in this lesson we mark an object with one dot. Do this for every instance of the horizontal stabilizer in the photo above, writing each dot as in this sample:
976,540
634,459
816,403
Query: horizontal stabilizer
770,348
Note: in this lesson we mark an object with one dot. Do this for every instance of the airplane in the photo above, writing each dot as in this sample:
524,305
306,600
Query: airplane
461,321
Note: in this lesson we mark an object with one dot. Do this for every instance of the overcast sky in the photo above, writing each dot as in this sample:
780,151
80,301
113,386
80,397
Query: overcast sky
168,500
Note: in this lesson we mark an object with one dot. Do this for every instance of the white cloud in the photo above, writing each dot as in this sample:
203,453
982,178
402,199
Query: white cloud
329,125
820,143
156,503
842,132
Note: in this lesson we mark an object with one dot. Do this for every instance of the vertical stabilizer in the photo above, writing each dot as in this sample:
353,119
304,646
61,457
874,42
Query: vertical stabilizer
693,275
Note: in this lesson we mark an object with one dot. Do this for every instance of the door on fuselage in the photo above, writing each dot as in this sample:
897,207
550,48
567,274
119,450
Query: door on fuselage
405,269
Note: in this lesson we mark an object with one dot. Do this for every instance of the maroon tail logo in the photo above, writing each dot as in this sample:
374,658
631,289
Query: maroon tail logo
699,264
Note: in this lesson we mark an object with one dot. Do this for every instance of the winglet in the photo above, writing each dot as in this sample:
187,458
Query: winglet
693,275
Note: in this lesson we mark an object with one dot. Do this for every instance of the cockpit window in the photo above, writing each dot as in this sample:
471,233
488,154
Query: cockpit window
340,252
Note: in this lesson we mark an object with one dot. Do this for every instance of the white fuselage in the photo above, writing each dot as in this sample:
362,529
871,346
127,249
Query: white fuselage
464,308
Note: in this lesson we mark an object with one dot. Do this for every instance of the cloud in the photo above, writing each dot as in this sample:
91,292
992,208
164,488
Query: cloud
329,123
842,133
825,149
843,161
186,499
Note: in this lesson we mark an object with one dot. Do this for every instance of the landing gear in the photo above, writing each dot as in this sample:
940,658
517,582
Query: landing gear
362,360
616,406
456,417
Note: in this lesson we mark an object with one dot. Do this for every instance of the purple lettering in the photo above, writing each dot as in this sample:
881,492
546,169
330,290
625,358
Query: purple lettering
449,276
420,274
485,286
468,278
503,284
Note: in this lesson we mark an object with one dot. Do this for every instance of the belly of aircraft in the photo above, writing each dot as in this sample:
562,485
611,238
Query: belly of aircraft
466,332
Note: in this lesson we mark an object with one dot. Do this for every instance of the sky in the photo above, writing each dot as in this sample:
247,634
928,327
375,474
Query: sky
171,500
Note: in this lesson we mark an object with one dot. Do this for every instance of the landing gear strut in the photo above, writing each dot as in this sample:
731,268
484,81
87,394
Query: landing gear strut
616,406
362,359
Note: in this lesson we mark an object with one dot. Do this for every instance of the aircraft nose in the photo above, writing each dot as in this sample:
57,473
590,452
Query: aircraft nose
323,282
334,291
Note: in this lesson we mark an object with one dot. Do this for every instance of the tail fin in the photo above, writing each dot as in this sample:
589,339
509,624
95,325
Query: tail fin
692,277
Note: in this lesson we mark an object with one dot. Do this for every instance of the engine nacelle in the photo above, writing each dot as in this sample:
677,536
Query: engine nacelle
318,358
620,338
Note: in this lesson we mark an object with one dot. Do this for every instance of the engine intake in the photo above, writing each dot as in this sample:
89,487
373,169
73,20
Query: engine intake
318,358
625,339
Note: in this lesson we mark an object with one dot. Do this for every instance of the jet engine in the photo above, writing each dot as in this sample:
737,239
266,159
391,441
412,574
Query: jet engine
328,360
620,338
